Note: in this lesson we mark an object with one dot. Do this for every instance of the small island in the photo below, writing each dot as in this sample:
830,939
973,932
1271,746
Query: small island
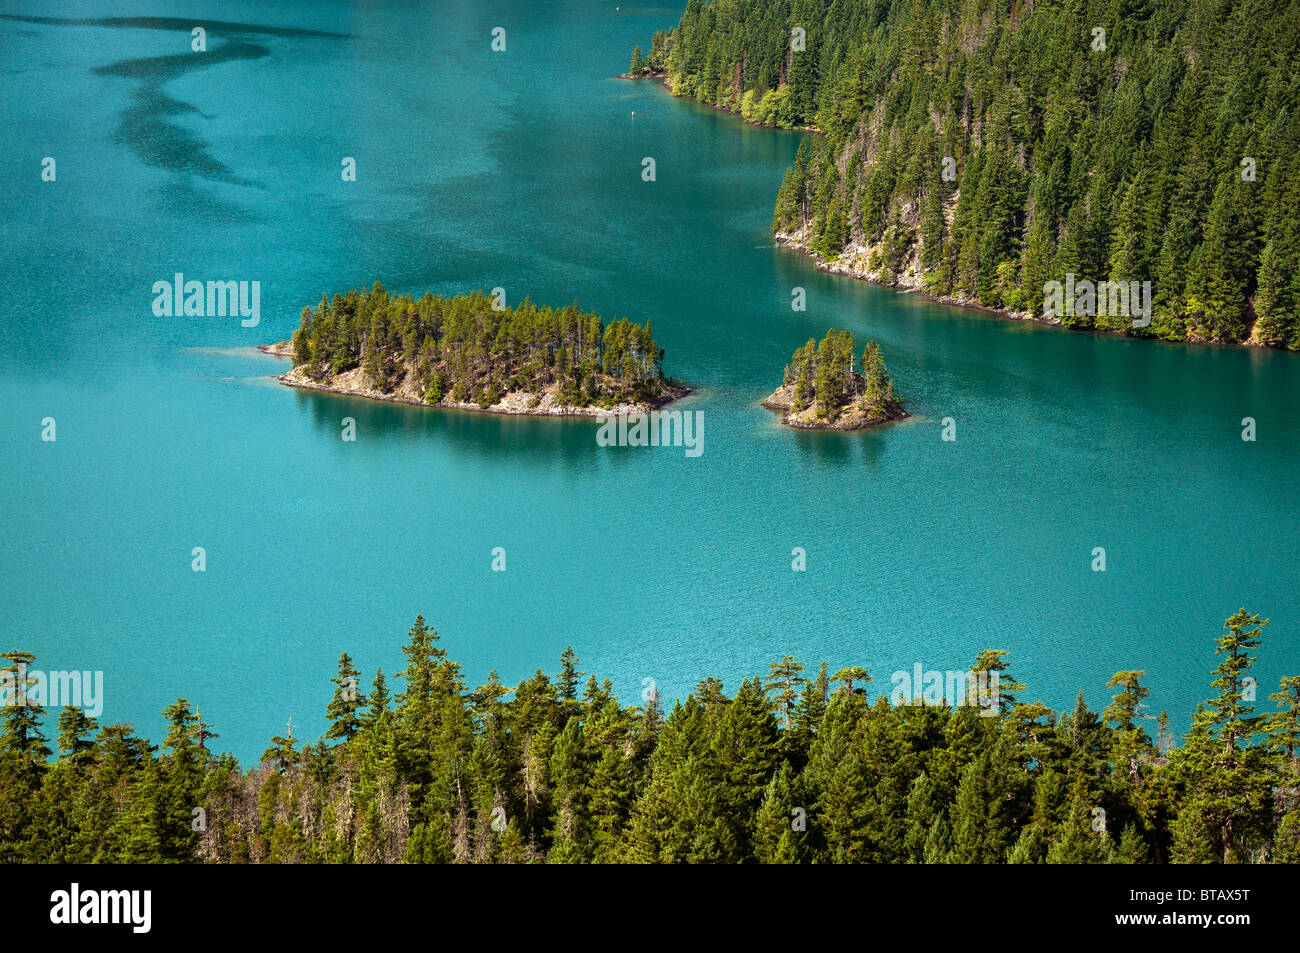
823,391
471,352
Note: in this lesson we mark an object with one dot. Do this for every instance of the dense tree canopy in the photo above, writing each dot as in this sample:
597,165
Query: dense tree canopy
984,148
824,378
468,351
791,768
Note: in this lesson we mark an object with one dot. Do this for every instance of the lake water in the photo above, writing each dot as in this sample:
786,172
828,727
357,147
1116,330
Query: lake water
522,169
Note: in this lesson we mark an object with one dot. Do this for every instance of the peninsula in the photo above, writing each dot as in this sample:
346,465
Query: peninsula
822,391
472,352
970,152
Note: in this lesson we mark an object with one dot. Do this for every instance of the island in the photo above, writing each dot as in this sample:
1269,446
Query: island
473,352
823,391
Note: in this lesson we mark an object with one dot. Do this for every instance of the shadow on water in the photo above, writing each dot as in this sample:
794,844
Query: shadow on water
523,440
840,448
144,126
219,27
181,192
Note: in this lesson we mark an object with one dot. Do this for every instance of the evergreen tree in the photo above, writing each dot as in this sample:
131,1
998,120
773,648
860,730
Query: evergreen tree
923,809
343,709
569,677
1230,791
1284,725
379,700
783,685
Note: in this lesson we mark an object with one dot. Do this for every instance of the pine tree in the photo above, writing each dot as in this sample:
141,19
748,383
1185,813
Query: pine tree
923,809
1283,726
569,767
745,751
416,711
347,702
780,831
938,844
136,829
1286,842
1231,790
379,700
76,746
850,674
990,670
1193,841
21,714
783,685
1080,840
977,829
283,752
809,711
23,751
1133,745
569,677
1031,846
1132,848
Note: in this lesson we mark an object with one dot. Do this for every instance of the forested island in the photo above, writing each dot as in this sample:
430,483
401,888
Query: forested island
475,353
978,152
794,767
821,389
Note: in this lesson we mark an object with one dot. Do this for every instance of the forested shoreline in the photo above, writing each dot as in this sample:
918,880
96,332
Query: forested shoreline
475,351
977,150
795,767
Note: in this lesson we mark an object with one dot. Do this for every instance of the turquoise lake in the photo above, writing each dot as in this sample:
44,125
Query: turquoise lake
522,169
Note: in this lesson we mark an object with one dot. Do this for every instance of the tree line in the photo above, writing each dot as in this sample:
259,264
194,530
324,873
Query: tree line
474,348
793,767
988,147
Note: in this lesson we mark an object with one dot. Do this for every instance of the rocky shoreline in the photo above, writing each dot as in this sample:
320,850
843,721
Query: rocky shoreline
515,403
853,263
851,417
